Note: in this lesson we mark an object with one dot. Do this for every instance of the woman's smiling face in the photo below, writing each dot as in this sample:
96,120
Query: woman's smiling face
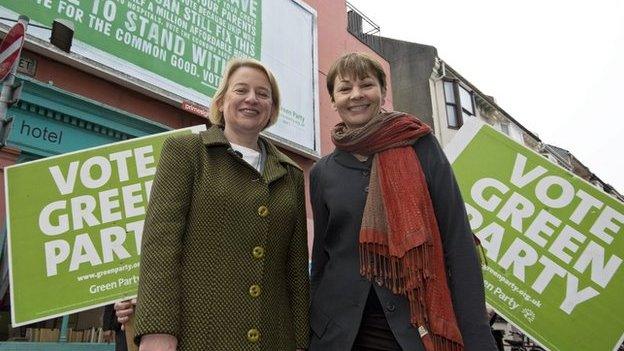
247,103
358,100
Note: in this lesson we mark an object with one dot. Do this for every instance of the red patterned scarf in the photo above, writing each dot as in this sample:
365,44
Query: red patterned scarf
399,239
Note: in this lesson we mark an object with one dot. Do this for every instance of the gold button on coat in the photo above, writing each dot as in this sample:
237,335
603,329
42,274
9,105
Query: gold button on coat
253,335
263,211
255,290
258,252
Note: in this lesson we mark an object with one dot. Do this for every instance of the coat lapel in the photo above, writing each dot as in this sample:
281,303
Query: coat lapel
275,166
214,136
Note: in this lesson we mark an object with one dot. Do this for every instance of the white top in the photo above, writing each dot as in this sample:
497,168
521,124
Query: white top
251,156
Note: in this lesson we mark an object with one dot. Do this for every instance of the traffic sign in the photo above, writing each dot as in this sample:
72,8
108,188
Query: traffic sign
10,49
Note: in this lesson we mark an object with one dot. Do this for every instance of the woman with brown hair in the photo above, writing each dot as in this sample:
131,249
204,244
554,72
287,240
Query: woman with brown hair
394,265
224,263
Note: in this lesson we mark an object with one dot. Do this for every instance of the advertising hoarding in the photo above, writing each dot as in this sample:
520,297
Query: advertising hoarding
182,46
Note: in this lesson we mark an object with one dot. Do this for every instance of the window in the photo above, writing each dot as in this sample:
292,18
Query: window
459,103
451,105
504,126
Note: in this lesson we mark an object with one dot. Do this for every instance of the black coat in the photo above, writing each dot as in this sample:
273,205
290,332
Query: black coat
338,186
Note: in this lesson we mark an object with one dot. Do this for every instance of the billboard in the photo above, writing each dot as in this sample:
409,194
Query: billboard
74,226
182,47
553,242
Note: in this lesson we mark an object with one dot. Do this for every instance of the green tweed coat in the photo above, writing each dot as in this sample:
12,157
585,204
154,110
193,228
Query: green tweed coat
224,262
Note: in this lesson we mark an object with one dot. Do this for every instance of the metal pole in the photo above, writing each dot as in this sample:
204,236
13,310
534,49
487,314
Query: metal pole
64,325
7,86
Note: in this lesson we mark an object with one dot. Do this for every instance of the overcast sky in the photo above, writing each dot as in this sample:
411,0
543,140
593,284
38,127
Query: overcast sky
555,66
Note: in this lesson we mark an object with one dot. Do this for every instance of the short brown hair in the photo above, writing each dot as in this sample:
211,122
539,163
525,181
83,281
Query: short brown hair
216,116
355,65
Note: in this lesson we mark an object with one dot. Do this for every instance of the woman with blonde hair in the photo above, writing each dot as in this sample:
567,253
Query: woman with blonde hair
224,262
394,265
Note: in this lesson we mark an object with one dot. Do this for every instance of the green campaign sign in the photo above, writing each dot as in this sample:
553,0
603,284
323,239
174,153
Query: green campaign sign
185,41
74,226
553,242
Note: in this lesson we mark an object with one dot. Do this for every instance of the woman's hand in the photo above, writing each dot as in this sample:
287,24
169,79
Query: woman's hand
124,310
158,342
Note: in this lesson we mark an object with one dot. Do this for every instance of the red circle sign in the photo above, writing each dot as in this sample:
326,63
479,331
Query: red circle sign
10,49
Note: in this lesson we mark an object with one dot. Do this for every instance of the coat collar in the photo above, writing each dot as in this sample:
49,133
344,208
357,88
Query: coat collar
214,137
274,167
347,160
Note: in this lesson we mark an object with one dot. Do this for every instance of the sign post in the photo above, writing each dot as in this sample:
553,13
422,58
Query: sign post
11,47
10,50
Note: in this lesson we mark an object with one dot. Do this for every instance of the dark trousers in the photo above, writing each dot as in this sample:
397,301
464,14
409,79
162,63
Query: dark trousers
375,334
109,320
120,341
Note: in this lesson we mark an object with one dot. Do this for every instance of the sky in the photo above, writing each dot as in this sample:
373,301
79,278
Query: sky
557,67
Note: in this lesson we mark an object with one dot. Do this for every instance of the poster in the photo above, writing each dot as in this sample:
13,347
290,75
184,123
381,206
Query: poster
553,242
74,226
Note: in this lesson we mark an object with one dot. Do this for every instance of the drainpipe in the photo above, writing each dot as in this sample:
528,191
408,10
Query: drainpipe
439,66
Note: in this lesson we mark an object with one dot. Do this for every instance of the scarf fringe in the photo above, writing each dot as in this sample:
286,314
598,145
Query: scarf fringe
408,276
399,274
438,343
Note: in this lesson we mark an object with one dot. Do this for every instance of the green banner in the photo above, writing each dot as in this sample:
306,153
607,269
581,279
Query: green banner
553,242
185,41
74,226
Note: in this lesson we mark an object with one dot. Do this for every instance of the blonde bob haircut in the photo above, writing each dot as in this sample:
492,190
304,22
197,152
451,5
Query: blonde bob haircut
355,65
216,116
